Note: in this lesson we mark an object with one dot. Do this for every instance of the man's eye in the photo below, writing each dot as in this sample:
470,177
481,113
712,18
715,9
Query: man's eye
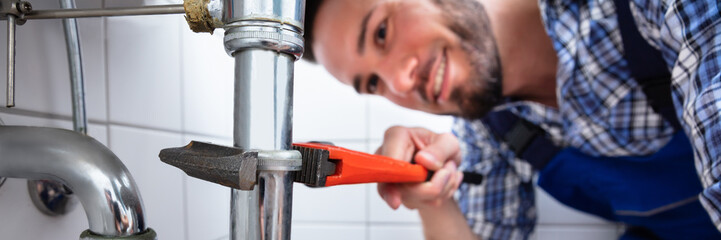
380,35
372,85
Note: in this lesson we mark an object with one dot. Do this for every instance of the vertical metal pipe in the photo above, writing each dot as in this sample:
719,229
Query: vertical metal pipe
244,216
75,61
263,120
276,197
11,62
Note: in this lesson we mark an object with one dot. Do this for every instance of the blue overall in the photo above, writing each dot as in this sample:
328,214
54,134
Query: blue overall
655,195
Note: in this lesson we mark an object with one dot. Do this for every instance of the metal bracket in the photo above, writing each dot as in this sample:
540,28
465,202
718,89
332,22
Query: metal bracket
229,166
15,8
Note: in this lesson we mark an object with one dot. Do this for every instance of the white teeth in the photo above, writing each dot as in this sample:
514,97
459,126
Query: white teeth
439,77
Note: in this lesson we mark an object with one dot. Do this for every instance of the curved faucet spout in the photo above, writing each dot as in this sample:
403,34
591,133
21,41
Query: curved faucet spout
104,186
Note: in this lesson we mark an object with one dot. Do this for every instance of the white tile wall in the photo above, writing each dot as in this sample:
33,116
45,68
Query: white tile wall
384,114
208,204
329,231
325,108
396,231
144,60
152,84
207,94
42,76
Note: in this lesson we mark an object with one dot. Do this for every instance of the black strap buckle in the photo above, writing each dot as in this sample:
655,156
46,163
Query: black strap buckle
521,135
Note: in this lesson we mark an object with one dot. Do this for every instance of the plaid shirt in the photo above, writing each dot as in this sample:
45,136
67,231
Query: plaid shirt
602,109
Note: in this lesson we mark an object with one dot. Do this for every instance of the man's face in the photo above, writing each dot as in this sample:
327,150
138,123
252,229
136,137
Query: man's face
436,56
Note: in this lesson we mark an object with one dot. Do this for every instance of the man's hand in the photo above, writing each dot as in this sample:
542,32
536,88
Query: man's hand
436,152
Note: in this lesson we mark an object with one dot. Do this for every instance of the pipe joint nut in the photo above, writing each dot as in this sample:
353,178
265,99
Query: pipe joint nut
279,160
267,35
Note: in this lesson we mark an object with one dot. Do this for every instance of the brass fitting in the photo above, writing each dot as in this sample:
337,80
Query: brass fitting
200,18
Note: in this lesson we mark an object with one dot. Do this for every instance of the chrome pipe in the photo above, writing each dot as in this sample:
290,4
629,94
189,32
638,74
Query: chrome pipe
105,12
276,196
244,214
289,12
11,61
265,38
75,62
99,179
263,120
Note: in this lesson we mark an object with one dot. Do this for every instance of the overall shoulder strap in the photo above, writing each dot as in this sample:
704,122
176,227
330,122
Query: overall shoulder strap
527,140
646,64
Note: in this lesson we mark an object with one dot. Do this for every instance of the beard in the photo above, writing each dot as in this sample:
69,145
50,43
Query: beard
482,90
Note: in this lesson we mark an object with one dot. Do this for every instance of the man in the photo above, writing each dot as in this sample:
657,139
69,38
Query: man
468,58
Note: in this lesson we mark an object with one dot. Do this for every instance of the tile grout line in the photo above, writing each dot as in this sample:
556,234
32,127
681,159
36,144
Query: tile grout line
368,149
183,133
106,75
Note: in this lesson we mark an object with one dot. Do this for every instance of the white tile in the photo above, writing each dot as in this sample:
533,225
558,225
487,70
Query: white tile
323,108
42,80
161,185
345,203
328,231
396,231
144,71
586,232
208,209
138,3
23,221
380,212
208,79
162,2
208,203
551,211
384,114
123,3
223,141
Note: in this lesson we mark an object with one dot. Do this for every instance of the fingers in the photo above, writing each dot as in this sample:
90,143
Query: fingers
397,144
390,194
440,188
459,180
437,152
441,148
427,148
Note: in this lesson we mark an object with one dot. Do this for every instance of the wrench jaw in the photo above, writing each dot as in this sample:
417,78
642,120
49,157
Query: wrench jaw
316,166
227,166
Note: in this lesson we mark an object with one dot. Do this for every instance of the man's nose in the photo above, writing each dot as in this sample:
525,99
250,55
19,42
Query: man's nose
398,74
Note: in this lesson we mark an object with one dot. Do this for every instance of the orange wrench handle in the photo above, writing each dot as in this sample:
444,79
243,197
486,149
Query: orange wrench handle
357,167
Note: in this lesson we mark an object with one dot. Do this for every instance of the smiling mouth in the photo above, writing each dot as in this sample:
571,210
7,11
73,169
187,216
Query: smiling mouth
439,77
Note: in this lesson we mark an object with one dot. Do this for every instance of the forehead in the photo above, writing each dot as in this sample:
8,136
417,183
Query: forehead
337,28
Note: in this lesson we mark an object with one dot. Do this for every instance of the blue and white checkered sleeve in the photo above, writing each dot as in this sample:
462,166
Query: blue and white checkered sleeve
502,207
690,36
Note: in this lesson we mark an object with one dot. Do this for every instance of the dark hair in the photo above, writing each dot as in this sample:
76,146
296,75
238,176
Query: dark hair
311,10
